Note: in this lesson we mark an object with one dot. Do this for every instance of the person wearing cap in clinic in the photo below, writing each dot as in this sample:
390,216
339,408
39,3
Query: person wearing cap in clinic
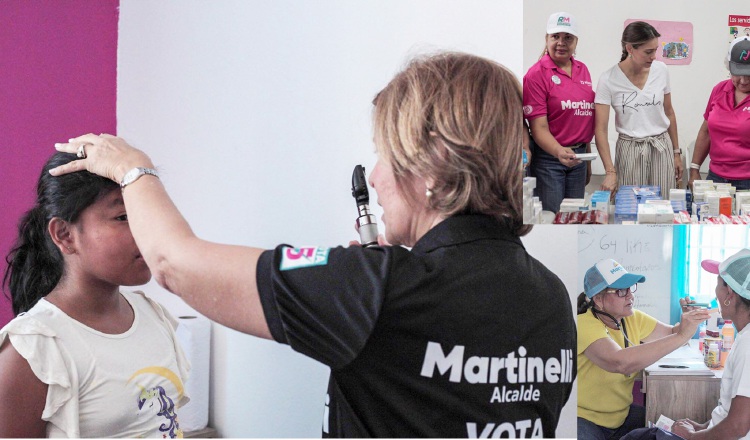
558,103
725,133
730,420
615,341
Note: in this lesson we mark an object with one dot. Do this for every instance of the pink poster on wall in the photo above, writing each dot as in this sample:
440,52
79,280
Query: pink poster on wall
676,41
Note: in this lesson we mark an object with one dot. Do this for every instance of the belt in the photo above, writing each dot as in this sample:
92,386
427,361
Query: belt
658,142
580,145
645,144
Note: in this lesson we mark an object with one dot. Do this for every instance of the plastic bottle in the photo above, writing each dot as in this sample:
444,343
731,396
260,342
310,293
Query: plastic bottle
712,326
712,357
727,340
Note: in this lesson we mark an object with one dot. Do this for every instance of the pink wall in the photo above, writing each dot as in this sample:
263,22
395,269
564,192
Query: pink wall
58,79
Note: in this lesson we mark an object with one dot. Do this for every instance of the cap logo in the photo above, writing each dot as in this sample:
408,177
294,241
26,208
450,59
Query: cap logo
563,21
616,269
745,55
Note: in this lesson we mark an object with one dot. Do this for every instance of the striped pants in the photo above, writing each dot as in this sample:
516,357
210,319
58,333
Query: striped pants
646,161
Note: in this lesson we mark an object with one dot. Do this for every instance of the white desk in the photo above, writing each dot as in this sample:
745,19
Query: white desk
680,395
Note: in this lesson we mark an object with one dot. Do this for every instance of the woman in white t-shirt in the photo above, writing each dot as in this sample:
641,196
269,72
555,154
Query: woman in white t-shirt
637,88
730,420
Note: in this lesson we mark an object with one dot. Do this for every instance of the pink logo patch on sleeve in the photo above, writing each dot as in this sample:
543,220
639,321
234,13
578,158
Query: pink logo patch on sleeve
296,258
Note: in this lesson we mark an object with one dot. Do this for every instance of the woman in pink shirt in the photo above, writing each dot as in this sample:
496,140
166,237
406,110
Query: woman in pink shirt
725,133
558,103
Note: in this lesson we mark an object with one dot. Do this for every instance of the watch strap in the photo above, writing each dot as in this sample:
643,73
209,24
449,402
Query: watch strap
135,174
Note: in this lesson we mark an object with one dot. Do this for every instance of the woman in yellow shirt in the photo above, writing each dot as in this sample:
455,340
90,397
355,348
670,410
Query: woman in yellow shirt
615,341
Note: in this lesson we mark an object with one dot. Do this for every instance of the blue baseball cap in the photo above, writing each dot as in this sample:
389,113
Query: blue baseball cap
608,274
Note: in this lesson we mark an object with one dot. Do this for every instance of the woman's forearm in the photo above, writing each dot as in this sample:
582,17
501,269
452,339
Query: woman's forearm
702,145
635,358
544,138
601,133
736,424
217,280
602,146
672,130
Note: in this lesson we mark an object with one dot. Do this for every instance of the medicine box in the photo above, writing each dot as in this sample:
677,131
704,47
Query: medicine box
741,198
700,209
677,194
600,200
725,205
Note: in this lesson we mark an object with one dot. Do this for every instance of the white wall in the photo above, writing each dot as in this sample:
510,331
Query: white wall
556,246
599,47
256,113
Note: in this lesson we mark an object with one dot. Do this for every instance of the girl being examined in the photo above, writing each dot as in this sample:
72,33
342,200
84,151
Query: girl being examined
81,358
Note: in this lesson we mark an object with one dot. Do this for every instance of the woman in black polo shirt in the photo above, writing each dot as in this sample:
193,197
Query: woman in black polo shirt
411,336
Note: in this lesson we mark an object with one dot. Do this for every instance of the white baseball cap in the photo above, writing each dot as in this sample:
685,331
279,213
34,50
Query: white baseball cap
562,22
608,273
735,271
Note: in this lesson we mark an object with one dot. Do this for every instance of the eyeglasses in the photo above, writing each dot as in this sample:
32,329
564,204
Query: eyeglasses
624,292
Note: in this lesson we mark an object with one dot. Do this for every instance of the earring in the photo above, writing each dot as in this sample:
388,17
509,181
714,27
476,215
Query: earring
726,302
428,193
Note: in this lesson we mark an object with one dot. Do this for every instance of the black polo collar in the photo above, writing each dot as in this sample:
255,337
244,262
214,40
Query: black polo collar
464,228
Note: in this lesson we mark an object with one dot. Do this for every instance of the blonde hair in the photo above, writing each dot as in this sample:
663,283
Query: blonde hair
456,118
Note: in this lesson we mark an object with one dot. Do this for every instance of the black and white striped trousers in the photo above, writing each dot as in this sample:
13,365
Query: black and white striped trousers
646,161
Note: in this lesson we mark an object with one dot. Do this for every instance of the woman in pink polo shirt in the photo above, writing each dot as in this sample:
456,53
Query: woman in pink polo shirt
725,133
558,102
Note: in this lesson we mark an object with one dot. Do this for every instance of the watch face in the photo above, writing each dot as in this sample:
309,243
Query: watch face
130,176
133,175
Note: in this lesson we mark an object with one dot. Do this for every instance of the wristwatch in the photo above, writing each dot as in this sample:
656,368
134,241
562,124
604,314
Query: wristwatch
134,174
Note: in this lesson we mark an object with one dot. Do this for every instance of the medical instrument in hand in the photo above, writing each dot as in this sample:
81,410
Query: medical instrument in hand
366,222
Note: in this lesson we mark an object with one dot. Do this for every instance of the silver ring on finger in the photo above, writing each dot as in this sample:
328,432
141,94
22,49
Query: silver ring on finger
81,153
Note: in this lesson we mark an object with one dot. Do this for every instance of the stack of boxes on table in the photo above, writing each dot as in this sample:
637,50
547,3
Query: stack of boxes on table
718,203
711,203
643,205
532,206
578,211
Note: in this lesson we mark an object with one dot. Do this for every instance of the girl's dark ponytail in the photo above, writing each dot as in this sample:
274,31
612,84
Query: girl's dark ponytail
34,264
